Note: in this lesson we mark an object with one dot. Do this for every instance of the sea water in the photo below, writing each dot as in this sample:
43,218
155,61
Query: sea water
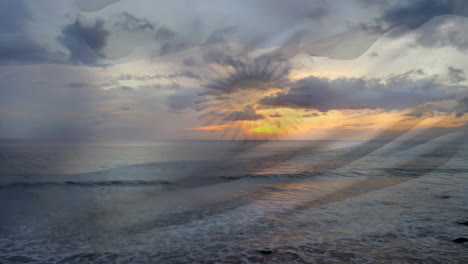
233,201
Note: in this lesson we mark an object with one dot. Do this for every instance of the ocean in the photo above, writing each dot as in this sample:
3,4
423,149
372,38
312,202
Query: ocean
191,201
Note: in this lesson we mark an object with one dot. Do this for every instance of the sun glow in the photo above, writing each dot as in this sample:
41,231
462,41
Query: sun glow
235,95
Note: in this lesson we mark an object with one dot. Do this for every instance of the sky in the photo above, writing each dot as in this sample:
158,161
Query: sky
354,69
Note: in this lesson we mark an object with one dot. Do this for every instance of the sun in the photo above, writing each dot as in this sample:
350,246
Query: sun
232,101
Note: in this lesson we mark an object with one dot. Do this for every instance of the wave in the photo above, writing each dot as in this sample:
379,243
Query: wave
84,184
395,172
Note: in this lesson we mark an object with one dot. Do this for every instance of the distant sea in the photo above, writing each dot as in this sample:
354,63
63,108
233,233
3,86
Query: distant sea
203,201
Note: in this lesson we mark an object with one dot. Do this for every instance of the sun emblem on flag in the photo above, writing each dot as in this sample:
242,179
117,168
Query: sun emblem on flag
232,102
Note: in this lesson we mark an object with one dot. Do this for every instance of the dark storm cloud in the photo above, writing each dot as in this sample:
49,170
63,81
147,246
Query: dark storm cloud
130,22
396,92
164,34
462,108
20,49
291,26
436,109
413,14
16,47
173,46
456,75
85,43
440,32
417,14
427,113
298,26
388,16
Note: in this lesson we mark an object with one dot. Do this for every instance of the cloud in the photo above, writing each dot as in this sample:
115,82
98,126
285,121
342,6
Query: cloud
47,109
413,14
434,109
311,115
130,31
173,46
145,77
384,17
444,31
182,100
14,15
395,92
94,5
355,125
219,35
130,22
248,113
291,12
190,61
165,34
77,85
20,49
16,46
276,115
316,28
85,43
462,108
71,104
456,75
